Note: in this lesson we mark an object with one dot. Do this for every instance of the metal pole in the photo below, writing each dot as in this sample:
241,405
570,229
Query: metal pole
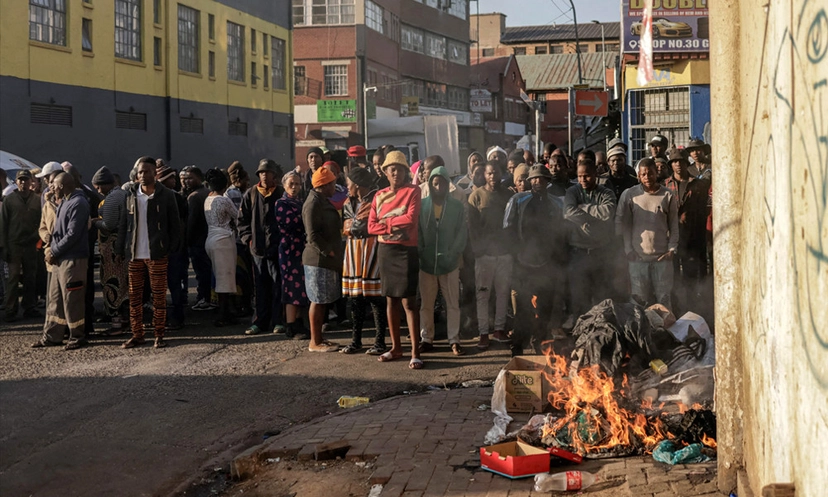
577,43
537,132
569,119
365,113
604,57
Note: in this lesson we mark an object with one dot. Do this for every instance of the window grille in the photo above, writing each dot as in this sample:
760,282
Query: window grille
664,111
299,81
336,81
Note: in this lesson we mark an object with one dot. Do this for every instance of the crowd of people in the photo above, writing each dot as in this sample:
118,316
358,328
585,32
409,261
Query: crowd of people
514,250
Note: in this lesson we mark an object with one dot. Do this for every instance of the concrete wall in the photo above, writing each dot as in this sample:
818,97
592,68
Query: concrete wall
769,96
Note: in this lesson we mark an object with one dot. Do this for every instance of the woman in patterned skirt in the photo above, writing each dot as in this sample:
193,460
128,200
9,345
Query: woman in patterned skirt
288,211
360,271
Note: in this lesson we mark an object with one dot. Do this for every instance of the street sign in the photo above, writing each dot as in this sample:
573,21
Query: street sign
591,103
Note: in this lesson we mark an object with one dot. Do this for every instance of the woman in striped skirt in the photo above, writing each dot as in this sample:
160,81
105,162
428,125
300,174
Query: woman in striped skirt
360,272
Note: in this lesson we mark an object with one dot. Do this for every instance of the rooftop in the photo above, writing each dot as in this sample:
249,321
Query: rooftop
559,71
560,32
486,72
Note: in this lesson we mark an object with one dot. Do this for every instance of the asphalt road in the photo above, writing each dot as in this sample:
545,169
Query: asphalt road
107,421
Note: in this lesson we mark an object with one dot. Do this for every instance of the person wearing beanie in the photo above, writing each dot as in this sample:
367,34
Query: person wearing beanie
113,272
19,221
519,179
360,271
394,218
618,178
260,235
221,216
314,160
322,256
441,239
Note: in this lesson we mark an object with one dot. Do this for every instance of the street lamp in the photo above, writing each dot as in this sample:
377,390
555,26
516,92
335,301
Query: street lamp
365,90
603,53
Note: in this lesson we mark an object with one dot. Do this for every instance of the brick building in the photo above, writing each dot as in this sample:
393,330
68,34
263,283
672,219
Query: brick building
410,50
496,84
491,37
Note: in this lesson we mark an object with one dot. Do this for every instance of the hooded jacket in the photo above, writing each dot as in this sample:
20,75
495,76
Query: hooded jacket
163,228
70,235
441,242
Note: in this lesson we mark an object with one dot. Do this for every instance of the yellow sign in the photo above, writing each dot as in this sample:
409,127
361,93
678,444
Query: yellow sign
410,106
685,72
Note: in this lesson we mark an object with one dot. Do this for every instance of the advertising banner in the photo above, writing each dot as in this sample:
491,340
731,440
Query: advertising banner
336,111
678,25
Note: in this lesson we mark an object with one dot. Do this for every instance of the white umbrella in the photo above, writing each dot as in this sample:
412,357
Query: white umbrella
11,162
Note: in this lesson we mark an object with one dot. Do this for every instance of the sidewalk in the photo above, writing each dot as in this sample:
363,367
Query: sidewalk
427,445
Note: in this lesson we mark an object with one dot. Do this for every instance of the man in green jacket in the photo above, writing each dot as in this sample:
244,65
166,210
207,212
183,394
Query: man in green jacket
441,240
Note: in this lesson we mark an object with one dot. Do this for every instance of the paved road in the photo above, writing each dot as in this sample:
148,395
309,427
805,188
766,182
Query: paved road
107,421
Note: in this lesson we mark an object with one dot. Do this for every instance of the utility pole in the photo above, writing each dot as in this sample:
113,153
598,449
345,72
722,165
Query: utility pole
365,90
603,54
577,43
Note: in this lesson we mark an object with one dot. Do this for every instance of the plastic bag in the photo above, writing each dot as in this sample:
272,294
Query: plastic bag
668,452
502,419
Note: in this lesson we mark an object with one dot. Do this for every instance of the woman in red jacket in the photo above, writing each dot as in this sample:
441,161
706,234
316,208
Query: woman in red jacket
394,218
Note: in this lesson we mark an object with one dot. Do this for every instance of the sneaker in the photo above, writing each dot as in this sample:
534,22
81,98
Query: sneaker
202,305
500,336
377,349
483,343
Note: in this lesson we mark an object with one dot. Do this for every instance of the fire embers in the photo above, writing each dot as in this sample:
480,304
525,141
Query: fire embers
595,418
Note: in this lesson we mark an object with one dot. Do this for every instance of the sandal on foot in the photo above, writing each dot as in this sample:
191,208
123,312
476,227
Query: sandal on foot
388,357
415,363
325,346
350,349
253,330
457,350
376,350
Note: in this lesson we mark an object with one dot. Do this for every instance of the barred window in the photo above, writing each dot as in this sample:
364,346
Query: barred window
235,52
128,29
278,79
47,21
412,39
336,80
458,52
299,80
374,16
188,39
435,46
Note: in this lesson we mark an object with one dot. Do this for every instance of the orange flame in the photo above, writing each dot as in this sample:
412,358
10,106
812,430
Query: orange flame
535,301
708,441
591,416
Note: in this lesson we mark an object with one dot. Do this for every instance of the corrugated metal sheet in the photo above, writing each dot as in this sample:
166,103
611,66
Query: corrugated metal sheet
560,32
558,71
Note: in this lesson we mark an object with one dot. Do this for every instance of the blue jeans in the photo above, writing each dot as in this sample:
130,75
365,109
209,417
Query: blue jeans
652,278
203,269
268,293
177,283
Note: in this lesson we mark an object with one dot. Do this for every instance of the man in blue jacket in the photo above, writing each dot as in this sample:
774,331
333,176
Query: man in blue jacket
68,253
441,239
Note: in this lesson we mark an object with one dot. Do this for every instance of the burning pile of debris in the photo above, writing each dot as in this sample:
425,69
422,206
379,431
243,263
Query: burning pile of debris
628,388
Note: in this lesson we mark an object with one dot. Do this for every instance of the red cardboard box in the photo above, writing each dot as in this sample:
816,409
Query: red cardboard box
514,460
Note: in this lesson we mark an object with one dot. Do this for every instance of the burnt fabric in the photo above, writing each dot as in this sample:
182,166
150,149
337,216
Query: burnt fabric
610,331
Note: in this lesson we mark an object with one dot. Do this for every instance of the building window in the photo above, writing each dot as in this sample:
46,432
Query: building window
191,125
488,52
298,12
299,80
278,78
664,111
413,88
253,40
520,50
156,51
457,8
211,64
435,46
557,49
86,34
47,21
211,27
236,128
435,95
458,52
254,76
156,11
336,81
374,16
128,29
412,39
458,98
611,47
235,52
265,46
265,76
130,120
188,50
540,50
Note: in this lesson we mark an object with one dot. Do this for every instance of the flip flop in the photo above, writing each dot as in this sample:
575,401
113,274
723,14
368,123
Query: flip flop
416,363
387,357
325,346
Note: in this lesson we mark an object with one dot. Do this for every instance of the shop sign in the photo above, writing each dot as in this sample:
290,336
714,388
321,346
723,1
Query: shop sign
480,100
678,25
686,72
336,111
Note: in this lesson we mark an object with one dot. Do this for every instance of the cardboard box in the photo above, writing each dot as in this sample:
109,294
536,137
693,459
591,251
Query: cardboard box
526,385
514,460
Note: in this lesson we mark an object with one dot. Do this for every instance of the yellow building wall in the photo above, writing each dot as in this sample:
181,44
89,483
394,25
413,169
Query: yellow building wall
70,65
